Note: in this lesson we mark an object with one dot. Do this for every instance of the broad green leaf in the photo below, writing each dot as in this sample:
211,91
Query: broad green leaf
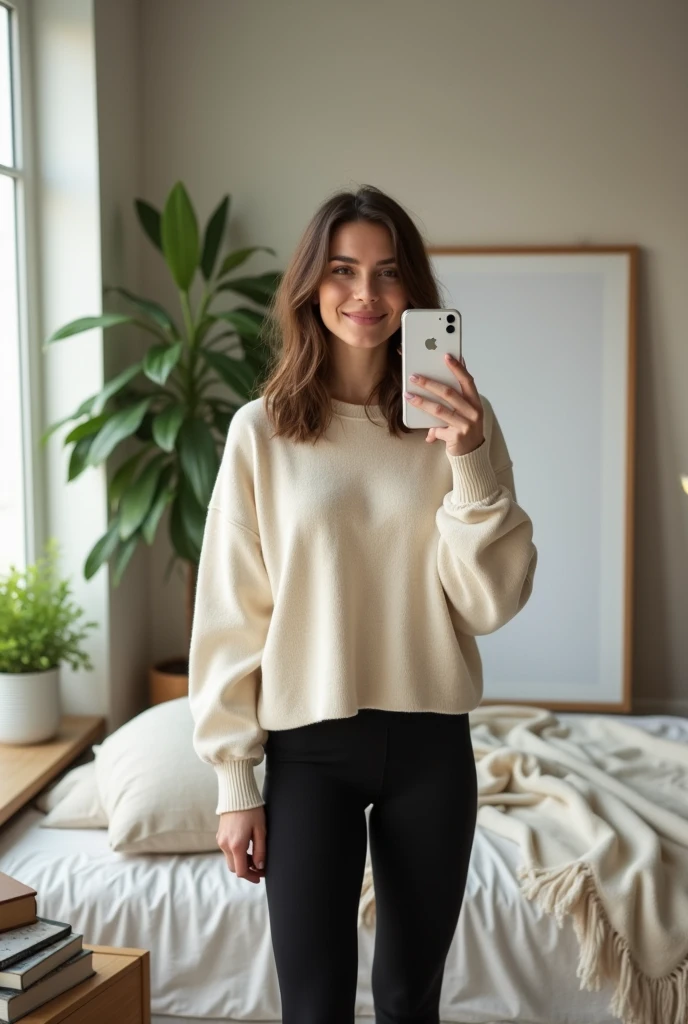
181,542
192,515
115,385
206,324
123,477
235,346
246,323
198,458
235,259
78,460
91,426
149,219
179,231
123,557
120,425
164,495
234,372
214,402
56,426
87,323
260,289
256,360
160,360
137,499
84,409
156,312
213,238
166,426
221,419
102,550
145,431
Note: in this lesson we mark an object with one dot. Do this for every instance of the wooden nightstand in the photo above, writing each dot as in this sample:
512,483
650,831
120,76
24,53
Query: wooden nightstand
26,769
118,993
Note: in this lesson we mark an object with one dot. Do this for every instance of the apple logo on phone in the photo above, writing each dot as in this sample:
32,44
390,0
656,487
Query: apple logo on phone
431,343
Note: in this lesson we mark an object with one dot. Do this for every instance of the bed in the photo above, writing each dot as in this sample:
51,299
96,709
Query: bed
208,932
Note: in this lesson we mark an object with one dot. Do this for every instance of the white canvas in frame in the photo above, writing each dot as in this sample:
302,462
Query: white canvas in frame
549,337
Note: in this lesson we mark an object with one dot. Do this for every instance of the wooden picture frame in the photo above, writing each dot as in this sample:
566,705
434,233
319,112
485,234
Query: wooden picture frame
549,334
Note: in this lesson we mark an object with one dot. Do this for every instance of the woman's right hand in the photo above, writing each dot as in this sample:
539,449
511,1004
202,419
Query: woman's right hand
235,830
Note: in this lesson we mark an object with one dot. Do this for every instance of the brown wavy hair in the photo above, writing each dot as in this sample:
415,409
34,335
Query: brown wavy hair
297,400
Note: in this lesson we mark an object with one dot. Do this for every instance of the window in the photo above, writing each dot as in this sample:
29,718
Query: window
14,437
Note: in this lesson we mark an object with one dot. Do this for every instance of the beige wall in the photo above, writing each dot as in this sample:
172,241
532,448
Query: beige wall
491,121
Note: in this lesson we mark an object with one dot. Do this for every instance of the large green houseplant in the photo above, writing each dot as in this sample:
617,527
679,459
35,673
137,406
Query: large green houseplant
167,402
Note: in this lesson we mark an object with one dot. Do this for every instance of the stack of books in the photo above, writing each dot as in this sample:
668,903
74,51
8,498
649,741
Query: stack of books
39,958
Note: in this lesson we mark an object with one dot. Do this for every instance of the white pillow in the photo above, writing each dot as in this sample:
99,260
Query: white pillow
157,794
50,797
74,802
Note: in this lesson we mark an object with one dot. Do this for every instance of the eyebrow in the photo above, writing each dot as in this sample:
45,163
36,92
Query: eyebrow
350,259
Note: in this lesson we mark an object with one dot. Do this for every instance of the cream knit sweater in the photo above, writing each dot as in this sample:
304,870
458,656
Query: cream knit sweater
353,573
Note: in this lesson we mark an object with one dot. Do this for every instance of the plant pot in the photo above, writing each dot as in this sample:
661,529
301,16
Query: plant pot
168,680
30,709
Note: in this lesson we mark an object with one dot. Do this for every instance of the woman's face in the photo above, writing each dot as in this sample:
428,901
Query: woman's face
362,278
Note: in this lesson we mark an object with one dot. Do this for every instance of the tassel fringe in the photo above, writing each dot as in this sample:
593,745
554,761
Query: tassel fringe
604,954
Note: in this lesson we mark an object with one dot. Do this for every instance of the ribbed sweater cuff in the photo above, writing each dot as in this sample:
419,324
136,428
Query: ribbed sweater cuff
237,786
473,476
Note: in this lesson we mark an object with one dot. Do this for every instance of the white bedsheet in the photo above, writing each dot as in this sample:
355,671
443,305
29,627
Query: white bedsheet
209,934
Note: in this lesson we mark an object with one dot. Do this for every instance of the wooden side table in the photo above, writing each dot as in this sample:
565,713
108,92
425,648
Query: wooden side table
26,769
118,993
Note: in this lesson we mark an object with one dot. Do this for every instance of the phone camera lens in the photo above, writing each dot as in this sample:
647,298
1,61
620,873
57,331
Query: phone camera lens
450,329
451,318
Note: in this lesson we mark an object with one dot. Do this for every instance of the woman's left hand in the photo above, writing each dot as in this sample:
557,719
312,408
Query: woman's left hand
463,412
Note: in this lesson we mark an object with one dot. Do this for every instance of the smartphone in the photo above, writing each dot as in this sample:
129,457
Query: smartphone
426,335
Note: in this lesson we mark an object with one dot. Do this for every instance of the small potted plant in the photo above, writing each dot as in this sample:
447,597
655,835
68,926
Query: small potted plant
37,633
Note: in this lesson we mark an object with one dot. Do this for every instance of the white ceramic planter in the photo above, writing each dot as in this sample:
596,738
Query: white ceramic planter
29,706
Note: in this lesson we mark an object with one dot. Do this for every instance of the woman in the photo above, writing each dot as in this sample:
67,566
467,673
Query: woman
346,568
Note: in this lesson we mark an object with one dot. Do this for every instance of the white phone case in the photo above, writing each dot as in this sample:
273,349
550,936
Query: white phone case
424,342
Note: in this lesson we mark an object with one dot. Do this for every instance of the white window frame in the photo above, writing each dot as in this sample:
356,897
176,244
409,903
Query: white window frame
28,290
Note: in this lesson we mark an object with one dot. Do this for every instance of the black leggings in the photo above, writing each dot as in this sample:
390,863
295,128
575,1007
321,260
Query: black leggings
418,771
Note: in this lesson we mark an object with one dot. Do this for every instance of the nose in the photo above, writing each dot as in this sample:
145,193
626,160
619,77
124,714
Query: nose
366,288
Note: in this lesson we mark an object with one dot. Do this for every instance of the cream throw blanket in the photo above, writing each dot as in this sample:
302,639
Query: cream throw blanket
599,809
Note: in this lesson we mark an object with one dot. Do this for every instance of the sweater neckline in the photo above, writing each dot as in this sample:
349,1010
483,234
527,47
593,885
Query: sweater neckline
354,411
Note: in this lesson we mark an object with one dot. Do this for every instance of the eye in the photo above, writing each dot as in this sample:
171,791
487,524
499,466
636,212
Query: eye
393,273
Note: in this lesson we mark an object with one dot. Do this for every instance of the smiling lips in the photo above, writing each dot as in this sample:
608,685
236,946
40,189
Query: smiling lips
364,319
